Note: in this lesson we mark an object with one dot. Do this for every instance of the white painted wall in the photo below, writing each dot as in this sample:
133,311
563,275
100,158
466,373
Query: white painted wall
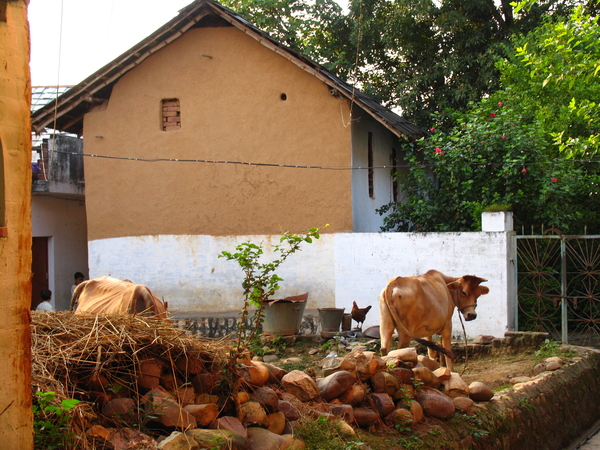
335,270
187,272
365,262
63,220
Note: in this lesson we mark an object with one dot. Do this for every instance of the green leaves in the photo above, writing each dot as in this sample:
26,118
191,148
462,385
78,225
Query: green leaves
260,281
553,77
487,160
51,421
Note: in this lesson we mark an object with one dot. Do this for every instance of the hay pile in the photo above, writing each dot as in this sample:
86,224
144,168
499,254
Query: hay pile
70,353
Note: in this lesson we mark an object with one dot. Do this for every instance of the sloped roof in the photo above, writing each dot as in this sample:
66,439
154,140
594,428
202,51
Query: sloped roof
76,102
41,95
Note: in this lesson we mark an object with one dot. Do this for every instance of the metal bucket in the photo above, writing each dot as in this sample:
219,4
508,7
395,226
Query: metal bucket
283,318
331,319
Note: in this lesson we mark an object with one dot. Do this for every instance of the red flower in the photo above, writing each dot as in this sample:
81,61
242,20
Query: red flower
432,130
503,136
554,180
492,114
500,104
438,150
524,170
442,153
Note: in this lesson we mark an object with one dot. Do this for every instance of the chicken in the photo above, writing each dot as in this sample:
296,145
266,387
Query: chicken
359,314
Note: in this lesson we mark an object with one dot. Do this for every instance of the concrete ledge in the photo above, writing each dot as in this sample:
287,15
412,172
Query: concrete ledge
219,325
549,412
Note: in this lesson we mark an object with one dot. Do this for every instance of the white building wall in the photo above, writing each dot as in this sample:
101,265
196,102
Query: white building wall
335,270
364,263
365,217
63,221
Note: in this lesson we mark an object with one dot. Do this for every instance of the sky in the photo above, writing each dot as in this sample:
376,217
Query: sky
91,34
94,32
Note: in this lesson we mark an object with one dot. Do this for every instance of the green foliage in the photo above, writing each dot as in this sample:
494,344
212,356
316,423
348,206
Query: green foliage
479,433
524,403
496,207
289,366
548,349
260,280
554,77
317,29
422,56
411,443
51,421
328,345
218,443
279,343
493,155
501,388
403,427
552,348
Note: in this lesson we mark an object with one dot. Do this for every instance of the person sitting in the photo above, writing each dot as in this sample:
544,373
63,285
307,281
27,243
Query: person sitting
45,305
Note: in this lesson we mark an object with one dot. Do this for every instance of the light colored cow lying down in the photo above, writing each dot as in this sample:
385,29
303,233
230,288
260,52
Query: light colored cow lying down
107,295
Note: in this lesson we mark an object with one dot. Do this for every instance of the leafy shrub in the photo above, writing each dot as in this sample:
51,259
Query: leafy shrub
51,421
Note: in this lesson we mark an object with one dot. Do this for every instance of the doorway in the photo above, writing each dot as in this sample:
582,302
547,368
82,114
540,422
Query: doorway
39,269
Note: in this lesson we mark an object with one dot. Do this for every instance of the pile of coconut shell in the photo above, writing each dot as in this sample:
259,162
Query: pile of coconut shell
146,384
110,363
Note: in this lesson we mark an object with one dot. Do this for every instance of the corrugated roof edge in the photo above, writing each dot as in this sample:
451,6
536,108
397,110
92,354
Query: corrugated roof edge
104,78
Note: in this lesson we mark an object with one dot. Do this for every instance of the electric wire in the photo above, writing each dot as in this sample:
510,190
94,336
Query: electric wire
300,166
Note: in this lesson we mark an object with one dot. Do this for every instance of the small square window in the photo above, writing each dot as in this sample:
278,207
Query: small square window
171,114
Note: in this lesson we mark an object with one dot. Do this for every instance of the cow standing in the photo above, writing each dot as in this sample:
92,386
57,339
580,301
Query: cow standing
422,306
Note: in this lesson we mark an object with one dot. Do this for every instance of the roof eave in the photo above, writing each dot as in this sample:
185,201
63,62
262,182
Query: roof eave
55,112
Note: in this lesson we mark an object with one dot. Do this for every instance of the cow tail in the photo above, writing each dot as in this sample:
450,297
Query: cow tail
436,347
387,295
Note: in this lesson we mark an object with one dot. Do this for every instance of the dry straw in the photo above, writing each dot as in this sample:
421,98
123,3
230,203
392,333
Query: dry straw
69,351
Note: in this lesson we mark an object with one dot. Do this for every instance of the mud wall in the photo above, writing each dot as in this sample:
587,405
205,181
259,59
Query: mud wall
15,228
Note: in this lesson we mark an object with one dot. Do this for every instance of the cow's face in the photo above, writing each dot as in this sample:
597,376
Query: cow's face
465,292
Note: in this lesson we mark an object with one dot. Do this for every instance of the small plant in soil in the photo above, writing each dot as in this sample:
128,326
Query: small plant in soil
260,280
327,345
323,434
551,348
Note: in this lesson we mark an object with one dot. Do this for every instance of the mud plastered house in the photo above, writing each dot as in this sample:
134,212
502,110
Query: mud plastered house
208,133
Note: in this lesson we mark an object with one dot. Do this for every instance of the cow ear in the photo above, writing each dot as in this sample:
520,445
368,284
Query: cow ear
483,290
454,286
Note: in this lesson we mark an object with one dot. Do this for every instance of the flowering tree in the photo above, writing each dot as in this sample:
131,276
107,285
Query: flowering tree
532,145
492,159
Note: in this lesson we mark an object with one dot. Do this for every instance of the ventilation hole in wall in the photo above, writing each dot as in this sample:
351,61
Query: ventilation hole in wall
171,114
283,97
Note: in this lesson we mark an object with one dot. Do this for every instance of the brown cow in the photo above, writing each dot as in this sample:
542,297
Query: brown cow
421,306
107,295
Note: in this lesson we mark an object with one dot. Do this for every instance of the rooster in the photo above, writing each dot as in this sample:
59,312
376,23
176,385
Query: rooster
359,314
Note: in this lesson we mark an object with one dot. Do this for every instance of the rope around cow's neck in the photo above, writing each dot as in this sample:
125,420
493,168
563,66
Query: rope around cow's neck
466,344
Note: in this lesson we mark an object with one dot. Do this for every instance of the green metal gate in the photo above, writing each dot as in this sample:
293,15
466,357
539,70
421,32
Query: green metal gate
557,286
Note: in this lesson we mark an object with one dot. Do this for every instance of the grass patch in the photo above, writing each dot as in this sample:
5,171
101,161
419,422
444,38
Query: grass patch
501,388
322,434
552,348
